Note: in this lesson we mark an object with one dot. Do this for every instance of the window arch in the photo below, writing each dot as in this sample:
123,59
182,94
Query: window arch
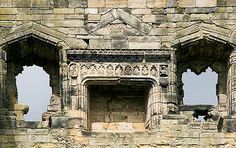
28,52
198,56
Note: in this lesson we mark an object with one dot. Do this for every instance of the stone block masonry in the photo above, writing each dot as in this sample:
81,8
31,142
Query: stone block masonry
116,70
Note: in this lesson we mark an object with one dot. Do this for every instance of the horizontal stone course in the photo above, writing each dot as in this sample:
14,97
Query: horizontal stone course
63,10
116,3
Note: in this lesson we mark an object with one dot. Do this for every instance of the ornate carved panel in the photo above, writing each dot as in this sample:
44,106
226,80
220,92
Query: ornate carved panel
121,69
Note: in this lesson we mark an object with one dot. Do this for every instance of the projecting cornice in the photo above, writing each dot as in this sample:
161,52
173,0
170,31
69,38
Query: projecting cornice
208,31
41,32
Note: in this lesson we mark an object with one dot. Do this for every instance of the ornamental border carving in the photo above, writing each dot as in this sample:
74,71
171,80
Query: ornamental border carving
111,70
122,55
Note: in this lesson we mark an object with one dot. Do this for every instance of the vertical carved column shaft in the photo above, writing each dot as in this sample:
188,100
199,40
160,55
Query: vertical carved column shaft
3,72
64,85
11,86
64,78
153,107
232,83
83,105
221,91
78,96
172,88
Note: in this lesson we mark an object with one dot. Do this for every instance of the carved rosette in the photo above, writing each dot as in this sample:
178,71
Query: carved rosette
231,86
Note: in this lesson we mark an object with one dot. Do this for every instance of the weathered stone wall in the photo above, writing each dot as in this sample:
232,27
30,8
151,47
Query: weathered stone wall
112,104
118,42
170,133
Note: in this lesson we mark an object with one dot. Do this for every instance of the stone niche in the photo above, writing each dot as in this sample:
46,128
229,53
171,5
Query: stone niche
24,53
117,107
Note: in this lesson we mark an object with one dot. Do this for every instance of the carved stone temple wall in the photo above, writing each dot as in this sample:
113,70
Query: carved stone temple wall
115,70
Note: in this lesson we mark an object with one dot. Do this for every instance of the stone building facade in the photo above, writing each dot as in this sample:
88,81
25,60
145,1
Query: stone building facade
115,70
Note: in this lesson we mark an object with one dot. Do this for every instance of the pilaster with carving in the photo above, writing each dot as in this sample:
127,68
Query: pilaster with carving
154,106
64,78
83,105
77,103
221,91
172,100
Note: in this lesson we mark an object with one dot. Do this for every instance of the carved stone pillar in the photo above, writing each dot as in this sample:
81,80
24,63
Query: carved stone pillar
73,86
221,91
3,71
83,105
64,78
11,86
154,106
64,116
231,84
172,100
180,90
64,86
77,110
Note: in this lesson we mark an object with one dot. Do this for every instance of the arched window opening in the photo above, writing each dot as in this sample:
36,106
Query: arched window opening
34,90
200,89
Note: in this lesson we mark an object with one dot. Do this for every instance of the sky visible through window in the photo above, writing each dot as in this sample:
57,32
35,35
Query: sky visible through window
200,89
33,90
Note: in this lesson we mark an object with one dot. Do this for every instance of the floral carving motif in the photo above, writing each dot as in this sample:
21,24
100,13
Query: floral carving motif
136,70
101,70
145,70
128,70
109,70
119,70
153,70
